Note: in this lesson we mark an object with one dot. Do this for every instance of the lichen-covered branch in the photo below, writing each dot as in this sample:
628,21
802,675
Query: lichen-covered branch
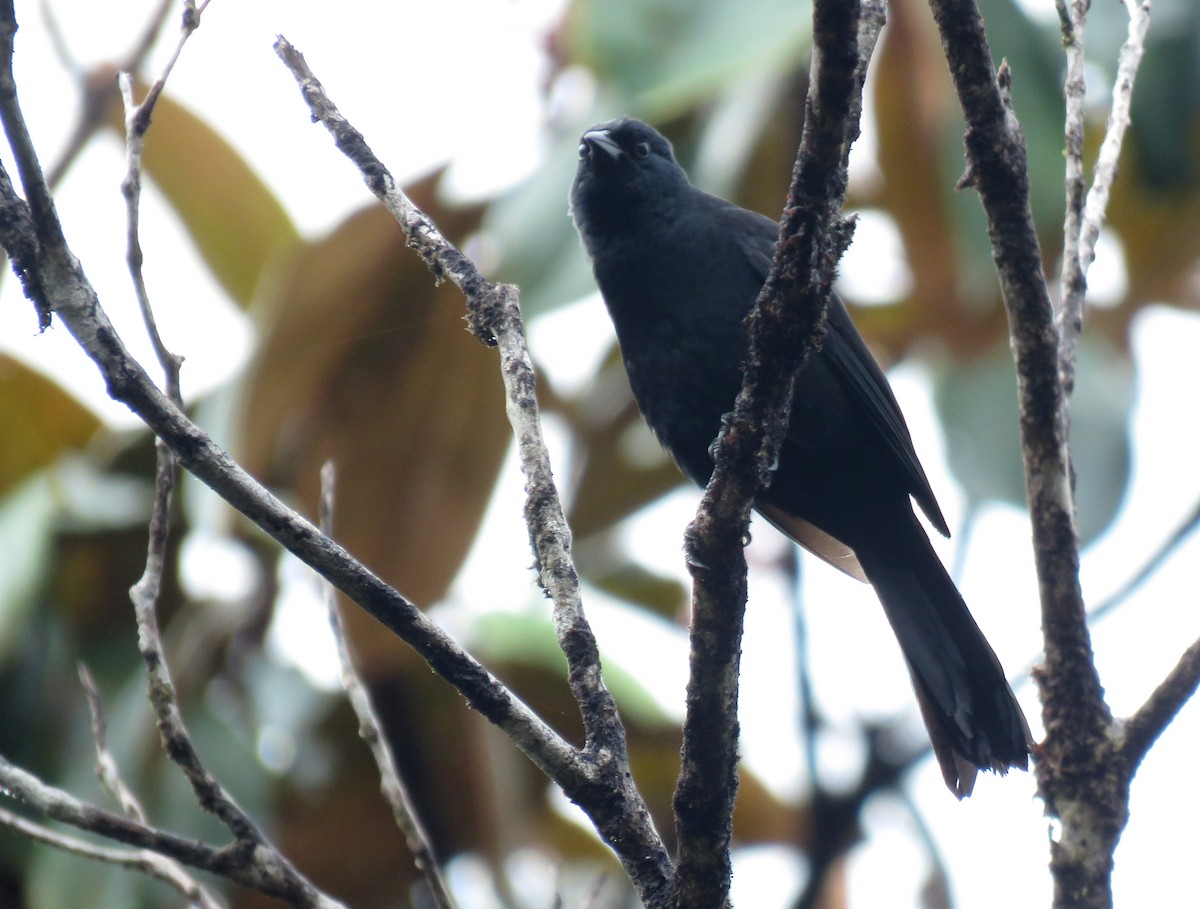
370,729
1081,777
606,791
785,327
1087,208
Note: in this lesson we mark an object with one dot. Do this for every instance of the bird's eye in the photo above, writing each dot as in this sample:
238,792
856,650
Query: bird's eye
583,149
641,150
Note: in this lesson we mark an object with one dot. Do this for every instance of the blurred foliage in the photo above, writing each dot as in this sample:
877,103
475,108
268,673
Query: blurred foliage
210,186
30,445
363,359
978,405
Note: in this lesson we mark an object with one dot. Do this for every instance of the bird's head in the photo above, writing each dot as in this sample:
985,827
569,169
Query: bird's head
627,174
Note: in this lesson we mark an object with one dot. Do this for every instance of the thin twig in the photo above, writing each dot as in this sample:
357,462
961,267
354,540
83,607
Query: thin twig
97,90
176,740
237,862
250,843
146,861
371,730
1084,219
106,765
137,120
1144,727
1105,171
59,805
159,866
1185,529
144,594
1073,280
1119,596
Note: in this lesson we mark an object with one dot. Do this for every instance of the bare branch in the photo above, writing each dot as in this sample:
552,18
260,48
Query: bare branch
176,741
494,315
997,168
61,806
1082,779
1073,280
106,765
239,862
147,862
46,226
785,327
159,866
97,90
250,860
1105,172
598,779
1185,529
19,231
371,730
137,120
1084,220
1144,727
250,844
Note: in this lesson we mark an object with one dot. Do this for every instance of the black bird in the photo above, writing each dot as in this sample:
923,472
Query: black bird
679,270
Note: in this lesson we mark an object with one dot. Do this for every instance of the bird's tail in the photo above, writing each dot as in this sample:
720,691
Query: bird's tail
973,718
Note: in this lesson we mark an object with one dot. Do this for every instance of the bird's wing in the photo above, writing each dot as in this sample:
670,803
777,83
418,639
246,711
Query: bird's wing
848,356
847,353
756,234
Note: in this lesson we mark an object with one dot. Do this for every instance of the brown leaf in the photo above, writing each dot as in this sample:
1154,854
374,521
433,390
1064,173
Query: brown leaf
366,361
236,222
41,421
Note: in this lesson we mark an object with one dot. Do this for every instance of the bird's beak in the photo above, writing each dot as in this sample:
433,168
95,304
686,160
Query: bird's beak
600,138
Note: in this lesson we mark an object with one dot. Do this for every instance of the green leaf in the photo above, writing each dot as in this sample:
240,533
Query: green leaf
26,527
978,407
537,244
528,638
664,57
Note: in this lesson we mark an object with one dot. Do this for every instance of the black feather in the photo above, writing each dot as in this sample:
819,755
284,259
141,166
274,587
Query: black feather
679,270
